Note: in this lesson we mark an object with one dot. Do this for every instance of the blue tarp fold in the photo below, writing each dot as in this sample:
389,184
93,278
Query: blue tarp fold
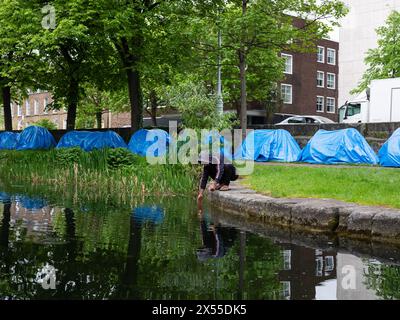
89,141
269,145
341,146
389,155
35,138
8,140
143,139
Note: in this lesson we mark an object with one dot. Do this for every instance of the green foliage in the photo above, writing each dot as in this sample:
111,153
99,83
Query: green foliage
384,280
68,156
198,107
46,123
121,158
384,61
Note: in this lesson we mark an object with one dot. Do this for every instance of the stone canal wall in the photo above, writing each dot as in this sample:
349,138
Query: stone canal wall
313,215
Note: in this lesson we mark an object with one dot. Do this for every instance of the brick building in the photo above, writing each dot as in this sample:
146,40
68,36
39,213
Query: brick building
311,81
34,109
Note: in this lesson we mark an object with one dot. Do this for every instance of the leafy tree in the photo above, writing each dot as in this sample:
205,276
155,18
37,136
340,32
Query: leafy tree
75,52
18,59
96,102
384,61
46,123
255,32
139,31
197,106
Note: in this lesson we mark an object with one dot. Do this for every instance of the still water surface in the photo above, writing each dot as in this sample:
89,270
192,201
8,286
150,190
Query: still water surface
162,249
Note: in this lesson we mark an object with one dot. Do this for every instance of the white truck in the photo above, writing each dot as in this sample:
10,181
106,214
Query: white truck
380,103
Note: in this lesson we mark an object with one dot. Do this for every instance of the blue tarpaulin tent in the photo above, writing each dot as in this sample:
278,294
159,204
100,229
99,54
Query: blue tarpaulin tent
89,141
269,145
389,154
148,214
35,138
143,139
341,146
8,140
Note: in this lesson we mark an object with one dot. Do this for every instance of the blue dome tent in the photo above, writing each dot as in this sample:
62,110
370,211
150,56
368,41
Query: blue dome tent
143,139
148,214
35,138
73,139
389,154
8,140
269,145
341,146
89,141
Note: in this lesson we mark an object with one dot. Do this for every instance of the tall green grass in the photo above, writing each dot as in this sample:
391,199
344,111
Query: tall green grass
102,174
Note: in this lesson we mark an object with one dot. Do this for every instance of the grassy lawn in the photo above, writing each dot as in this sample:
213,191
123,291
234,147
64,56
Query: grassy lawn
368,186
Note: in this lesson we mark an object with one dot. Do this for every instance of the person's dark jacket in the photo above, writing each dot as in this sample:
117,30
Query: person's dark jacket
221,173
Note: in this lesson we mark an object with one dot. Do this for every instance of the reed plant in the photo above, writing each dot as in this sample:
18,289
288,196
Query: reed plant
107,174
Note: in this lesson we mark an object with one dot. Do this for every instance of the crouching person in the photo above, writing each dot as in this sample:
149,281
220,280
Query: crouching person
221,174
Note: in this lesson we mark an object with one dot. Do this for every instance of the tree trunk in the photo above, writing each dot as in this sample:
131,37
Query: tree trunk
7,108
99,119
243,80
72,104
243,92
136,101
153,107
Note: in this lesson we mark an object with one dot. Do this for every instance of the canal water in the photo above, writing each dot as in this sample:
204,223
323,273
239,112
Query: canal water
163,249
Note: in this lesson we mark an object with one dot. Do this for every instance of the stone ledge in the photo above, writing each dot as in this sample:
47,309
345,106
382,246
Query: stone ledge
316,215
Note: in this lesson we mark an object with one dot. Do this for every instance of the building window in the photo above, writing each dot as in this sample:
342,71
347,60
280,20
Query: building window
19,110
286,292
331,81
331,56
287,259
36,107
320,79
45,104
287,93
321,55
65,124
288,63
12,110
28,108
329,264
320,104
330,105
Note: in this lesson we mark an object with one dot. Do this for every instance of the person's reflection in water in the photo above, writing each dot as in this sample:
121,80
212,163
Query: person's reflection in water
216,239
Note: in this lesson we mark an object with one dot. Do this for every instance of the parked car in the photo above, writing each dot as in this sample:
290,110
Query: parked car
305,120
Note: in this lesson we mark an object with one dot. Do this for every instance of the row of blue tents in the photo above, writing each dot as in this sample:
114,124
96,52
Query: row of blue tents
326,147
38,138
346,146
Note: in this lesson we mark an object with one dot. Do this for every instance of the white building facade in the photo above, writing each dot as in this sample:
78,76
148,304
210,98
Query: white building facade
357,36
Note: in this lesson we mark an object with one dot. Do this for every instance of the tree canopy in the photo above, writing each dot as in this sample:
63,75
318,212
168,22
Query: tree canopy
384,61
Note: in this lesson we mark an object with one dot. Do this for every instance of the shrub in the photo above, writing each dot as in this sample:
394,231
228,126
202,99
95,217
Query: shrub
68,156
46,123
122,158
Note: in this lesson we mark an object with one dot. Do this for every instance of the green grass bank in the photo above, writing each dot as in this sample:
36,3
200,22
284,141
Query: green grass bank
361,185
